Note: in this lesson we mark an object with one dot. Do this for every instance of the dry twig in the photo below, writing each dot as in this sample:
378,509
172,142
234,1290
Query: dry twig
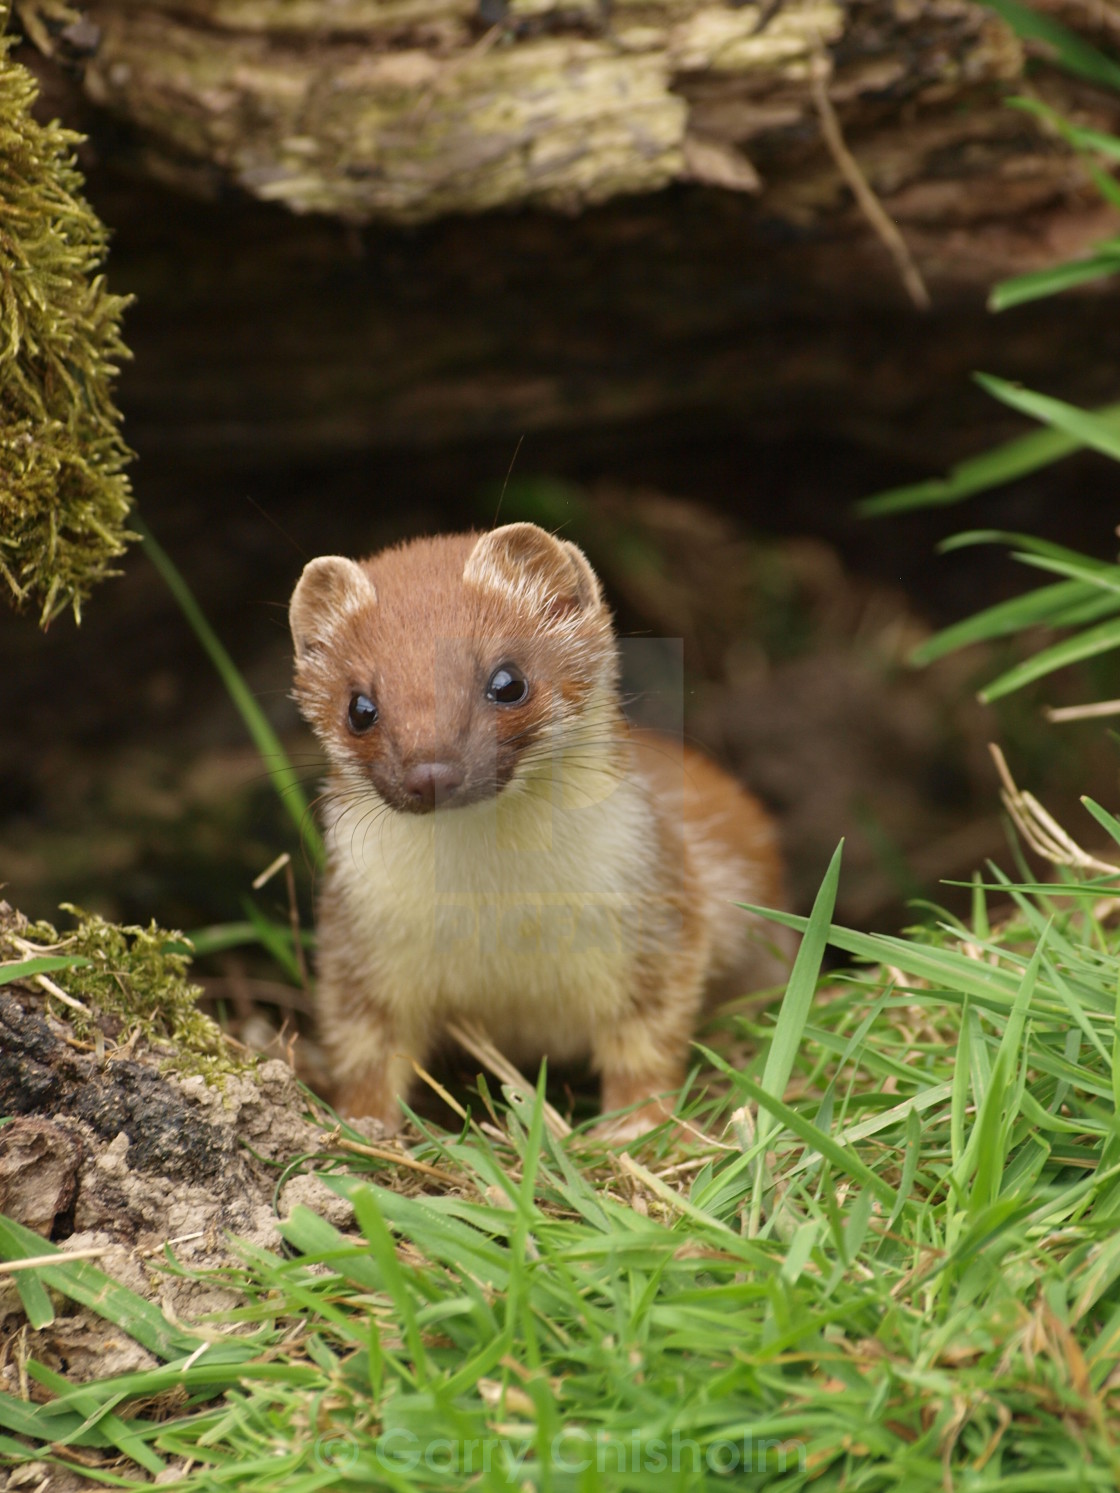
477,1042
872,209
1040,829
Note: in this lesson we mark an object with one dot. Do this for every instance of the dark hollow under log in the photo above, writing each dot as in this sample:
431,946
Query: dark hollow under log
263,341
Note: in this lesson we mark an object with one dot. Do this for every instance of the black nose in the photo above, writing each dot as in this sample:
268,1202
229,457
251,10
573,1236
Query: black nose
427,784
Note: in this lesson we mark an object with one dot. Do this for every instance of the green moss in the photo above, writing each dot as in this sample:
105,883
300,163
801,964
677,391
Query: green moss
135,980
64,495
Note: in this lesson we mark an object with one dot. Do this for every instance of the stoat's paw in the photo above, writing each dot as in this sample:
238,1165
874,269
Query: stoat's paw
633,1124
369,1109
373,1127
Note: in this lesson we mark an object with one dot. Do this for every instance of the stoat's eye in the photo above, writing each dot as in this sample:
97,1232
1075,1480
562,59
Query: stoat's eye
362,713
508,686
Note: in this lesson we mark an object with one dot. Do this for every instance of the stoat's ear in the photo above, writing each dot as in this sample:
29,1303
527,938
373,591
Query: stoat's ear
328,589
527,564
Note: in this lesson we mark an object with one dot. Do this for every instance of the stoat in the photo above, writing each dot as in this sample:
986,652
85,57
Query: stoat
501,846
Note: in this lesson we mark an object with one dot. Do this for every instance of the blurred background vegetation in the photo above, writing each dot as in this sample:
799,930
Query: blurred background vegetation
700,374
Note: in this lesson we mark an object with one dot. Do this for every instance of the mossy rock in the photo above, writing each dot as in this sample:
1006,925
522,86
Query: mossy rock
64,495
121,983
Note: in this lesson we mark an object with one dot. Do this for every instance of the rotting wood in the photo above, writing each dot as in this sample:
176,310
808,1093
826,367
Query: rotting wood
411,109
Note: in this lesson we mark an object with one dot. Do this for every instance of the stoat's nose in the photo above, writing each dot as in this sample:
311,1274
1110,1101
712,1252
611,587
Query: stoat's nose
428,784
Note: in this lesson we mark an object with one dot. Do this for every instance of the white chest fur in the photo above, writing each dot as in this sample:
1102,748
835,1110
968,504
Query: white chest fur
525,912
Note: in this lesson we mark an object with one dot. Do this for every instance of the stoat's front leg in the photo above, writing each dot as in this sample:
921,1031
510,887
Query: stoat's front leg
372,1077
642,1055
370,1044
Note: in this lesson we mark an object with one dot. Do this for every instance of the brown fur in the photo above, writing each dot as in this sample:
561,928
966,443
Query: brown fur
574,887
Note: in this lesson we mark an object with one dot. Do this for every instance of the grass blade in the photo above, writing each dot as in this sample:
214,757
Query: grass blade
34,1299
991,1133
1099,434
1080,136
216,938
1096,576
792,1016
275,938
1064,604
1069,50
80,1281
1005,463
1037,284
284,777
1088,644
798,999
110,1426
1106,820
41,964
845,1161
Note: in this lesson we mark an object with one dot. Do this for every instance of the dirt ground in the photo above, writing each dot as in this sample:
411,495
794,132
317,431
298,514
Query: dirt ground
109,1154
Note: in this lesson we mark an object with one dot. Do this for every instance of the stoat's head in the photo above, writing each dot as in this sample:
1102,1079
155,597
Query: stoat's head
443,669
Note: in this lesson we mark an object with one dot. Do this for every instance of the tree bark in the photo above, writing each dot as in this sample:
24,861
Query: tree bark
407,110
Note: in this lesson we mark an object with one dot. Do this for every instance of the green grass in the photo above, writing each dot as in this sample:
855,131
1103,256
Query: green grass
895,1268
1070,429
898,1270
